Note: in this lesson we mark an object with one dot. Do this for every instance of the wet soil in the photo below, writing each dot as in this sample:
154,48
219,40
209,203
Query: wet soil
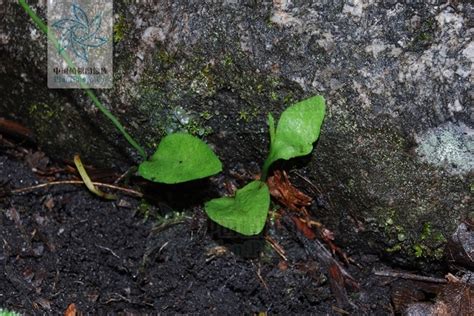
62,245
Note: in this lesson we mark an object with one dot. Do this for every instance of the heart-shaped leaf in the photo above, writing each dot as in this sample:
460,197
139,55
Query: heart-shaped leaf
297,130
180,157
245,213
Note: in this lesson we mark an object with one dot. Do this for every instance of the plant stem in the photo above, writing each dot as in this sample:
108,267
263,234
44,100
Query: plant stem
44,28
88,181
266,166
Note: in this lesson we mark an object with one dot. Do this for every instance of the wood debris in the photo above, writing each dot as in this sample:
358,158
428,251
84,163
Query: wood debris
281,189
71,310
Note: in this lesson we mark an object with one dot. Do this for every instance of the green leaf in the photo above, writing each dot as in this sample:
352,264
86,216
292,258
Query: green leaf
297,130
4,312
245,213
180,157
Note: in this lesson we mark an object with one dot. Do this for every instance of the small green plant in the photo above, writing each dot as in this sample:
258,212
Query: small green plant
297,130
181,157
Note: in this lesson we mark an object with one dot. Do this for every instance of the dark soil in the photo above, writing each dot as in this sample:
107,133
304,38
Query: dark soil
63,245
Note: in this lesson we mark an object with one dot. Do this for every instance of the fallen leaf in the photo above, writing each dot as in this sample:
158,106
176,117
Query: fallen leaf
15,129
217,251
36,160
71,310
42,303
281,189
49,203
282,265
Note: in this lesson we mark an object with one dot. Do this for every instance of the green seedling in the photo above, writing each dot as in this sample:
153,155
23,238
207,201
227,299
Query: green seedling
297,130
181,157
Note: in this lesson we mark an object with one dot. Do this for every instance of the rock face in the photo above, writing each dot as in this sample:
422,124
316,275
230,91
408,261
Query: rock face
395,157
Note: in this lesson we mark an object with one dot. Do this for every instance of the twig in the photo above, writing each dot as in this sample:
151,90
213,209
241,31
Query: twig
116,297
409,276
308,182
315,188
259,275
126,174
109,250
311,222
164,245
340,310
278,249
105,185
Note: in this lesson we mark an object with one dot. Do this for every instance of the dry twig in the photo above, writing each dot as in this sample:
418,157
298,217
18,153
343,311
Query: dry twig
105,185
278,249
409,276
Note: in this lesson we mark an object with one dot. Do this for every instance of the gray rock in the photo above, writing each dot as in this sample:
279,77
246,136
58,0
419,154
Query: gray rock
461,247
395,155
